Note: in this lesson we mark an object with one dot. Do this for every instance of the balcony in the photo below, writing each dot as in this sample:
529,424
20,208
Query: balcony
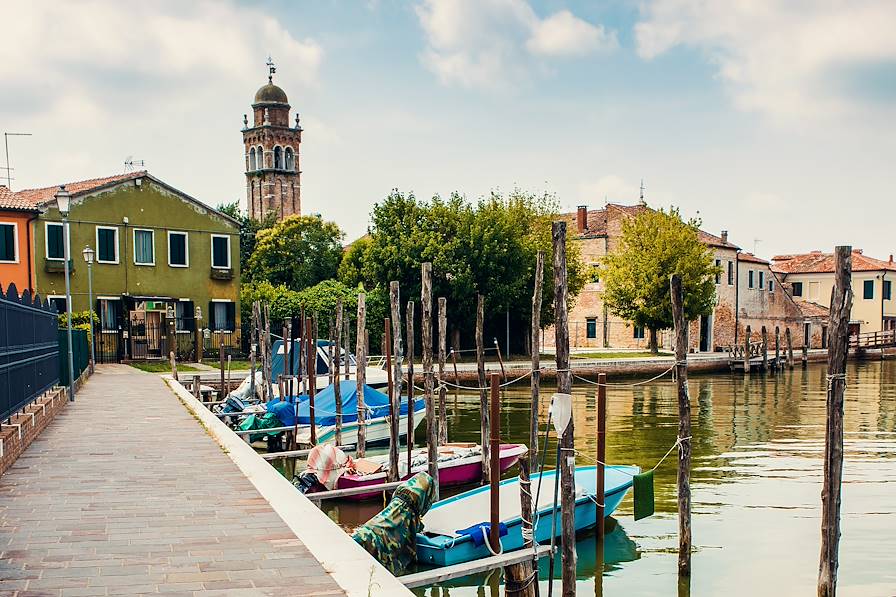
57,266
221,273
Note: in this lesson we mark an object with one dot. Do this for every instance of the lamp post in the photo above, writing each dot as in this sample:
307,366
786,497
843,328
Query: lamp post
63,202
88,257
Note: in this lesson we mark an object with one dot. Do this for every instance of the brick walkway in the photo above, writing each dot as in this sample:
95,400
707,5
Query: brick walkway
112,501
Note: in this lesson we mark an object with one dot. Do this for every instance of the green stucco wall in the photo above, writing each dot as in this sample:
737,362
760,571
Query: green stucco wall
149,206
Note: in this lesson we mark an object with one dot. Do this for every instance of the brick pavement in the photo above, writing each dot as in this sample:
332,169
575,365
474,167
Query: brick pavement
124,493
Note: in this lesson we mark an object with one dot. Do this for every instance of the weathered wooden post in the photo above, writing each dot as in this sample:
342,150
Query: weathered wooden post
347,341
281,387
432,440
684,426
789,341
747,335
777,347
495,472
173,362
443,391
838,350
310,373
805,351
456,378
500,359
268,362
330,368
483,390
252,348
409,330
764,349
567,462
337,385
601,453
360,372
535,384
221,365
197,394
395,397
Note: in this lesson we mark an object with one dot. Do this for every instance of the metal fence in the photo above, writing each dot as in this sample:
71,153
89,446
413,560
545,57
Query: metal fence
142,341
29,349
80,353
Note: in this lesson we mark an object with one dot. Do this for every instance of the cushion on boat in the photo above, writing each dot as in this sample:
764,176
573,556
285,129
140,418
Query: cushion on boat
478,532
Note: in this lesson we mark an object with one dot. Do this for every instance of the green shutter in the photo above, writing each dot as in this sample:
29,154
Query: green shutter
7,243
106,248
54,242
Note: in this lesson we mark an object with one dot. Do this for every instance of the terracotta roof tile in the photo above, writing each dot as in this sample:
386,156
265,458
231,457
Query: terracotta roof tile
810,309
37,197
818,262
9,201
750,258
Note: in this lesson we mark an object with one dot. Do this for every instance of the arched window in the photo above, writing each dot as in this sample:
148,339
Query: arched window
278,158
252,163
260,156
290,159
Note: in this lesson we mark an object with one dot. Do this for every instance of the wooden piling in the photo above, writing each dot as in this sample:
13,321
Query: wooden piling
454,364
500,360
777,347
564,386
221,365
330,368
483,389
395,397
747,334
789,341
535,384
173,361
684,426
337,386
252,351
360,372
601,452
764,349
311,375
838,350
347,341
267,350
432,440
443,391
197,386
281,387
805,353
409,330
495,472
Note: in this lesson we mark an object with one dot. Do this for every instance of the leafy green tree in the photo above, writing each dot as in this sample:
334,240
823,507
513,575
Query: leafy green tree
655,245
249,228
351,268
297,252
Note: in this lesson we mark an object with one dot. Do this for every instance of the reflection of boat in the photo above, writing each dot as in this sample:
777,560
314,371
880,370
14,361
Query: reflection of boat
441,544
458,464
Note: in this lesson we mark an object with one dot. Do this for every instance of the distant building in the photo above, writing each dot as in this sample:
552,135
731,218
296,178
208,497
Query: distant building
809,277
272,155
16,259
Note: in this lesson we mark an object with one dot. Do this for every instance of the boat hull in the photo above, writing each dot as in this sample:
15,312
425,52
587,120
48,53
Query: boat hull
377,431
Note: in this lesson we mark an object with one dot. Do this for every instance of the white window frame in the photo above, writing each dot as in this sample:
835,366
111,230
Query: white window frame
228,301
97,238
100,313
212,256
15,242
186,236
134,242
57,296
65,249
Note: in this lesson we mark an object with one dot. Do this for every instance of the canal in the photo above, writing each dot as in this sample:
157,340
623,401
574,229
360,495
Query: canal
756,483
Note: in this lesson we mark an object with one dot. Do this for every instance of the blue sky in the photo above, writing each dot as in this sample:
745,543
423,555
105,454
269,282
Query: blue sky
773,119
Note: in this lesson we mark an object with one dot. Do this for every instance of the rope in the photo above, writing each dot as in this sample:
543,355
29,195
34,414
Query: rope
832,376
489,545
678,442
628,385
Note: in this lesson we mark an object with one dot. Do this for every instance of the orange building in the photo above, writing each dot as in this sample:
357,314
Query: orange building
16,256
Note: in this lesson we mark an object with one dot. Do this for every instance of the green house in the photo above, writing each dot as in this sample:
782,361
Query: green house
166,265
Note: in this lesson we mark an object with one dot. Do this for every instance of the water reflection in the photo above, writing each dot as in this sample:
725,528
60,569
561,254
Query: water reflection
757,447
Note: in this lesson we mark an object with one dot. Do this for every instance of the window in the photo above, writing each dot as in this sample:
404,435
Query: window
252,162
591,327
814,291
183,312
58,302
888,290
220,251
260,155
730,273
110,313
771,285
221,316
290,159
9,240
639,332
144,249
54,239
178,249
718,271
761,280
868,289
278,158
107,244
750,275
797,288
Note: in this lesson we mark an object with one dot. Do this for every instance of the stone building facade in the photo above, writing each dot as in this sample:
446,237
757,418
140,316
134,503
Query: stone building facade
271,145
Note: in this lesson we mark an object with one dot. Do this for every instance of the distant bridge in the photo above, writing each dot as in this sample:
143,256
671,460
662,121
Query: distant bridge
873,340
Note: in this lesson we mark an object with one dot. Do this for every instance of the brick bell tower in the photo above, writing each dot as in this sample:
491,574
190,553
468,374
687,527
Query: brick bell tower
272,154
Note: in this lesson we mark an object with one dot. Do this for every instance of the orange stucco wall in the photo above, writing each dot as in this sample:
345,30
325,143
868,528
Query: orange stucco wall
17,272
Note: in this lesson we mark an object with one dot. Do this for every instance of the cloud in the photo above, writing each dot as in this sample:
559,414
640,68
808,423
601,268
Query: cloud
787,58
490,43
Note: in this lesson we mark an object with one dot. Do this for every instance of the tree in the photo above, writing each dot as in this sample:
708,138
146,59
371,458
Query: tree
297,252
655,245
249,228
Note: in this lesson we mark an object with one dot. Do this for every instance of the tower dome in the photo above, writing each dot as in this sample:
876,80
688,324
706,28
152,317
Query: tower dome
270,94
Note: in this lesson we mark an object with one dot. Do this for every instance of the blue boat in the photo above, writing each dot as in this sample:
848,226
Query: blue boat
442,544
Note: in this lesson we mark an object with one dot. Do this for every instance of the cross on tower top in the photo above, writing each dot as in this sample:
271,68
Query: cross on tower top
271,69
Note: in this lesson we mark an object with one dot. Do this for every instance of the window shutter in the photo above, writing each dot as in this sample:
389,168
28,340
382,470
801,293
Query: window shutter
231,316
211,315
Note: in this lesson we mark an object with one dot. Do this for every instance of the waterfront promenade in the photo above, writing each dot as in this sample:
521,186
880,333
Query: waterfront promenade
125,493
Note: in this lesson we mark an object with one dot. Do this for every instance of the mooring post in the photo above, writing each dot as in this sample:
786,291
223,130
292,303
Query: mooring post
360,372
567,462
197,394
409,331
495,472
310,374
221,365
764,349
684,426
519,579
535,345
601,452
395,395
454,363
252,347
268,361
483,390
337,386
777,348
443,391
805,352
347,342
838,349
500,360
789,341
747,335
432,440
330,368
281,386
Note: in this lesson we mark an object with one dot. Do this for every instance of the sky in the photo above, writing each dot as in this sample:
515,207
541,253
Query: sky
773,119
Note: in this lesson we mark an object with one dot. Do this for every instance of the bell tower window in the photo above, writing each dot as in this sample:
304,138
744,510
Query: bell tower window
252,162
278,158
290,159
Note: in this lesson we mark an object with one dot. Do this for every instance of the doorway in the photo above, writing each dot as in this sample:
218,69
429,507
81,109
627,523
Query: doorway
704,333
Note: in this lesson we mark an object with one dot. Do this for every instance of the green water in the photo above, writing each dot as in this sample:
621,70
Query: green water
756,484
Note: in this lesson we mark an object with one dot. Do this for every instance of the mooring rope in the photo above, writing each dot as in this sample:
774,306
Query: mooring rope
678,442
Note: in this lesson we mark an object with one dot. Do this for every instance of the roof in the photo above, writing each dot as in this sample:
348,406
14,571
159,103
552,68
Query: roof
11,202
810,309
750,258
270,94
596,223
818,262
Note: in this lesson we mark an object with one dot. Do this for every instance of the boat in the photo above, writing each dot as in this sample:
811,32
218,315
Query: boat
442,544
459,463
375,377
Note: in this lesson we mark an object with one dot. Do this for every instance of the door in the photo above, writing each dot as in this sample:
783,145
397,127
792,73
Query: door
704,334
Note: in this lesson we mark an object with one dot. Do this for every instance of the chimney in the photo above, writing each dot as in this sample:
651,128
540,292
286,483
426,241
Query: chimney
724,236
891,258
582,218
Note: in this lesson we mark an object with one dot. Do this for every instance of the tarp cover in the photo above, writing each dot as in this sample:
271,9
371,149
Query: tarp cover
376,402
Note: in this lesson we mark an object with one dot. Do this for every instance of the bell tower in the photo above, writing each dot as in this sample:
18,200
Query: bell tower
272,154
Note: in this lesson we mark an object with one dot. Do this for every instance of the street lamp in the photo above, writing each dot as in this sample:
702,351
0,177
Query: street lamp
63,202
88,257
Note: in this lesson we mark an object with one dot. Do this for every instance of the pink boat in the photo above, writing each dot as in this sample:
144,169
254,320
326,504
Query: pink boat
458,464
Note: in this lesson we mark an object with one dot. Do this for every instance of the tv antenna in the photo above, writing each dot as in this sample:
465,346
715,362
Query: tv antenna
9,170
130,163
